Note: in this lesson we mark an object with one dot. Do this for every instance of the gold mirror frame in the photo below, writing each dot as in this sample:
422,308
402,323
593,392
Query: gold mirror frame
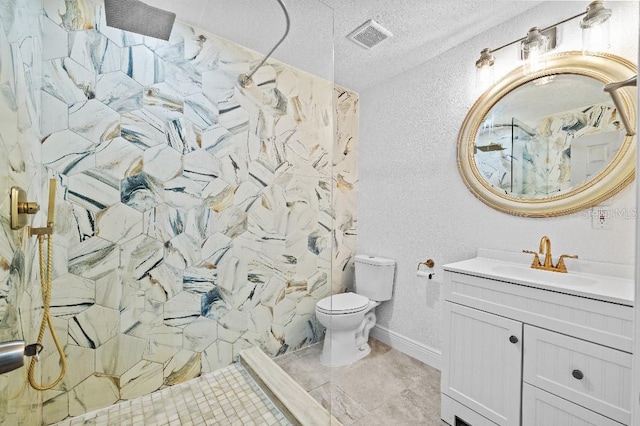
606,68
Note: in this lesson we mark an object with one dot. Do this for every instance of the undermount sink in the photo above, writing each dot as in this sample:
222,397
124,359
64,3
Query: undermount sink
546,277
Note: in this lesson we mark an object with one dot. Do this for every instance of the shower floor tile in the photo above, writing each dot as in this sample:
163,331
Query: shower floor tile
225,397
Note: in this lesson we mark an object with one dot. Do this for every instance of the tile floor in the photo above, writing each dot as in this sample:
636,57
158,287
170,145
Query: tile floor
225,397
385,388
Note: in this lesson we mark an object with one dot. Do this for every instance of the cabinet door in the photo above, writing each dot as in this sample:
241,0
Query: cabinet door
482,362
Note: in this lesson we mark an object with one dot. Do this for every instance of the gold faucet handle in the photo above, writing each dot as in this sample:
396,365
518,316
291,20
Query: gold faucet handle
536,258
561,266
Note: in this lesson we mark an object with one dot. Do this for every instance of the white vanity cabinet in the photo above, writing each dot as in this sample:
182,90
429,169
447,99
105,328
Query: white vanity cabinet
515,353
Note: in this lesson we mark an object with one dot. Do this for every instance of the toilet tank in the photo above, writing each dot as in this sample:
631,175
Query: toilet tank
374,277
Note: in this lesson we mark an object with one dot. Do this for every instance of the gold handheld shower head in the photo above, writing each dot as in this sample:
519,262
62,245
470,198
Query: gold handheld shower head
52,202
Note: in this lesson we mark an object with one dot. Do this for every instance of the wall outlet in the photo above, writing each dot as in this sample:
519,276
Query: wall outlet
602,218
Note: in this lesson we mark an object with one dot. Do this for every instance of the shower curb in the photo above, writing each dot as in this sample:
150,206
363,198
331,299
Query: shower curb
300,407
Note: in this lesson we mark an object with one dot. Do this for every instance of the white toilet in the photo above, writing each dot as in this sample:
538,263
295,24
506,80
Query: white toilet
349,317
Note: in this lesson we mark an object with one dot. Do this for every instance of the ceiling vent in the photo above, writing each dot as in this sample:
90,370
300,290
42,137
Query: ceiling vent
369,34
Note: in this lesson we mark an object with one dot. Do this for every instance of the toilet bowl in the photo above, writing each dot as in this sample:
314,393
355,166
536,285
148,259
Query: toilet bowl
348,319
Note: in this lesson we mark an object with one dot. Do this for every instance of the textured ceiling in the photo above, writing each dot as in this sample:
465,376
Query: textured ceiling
317,42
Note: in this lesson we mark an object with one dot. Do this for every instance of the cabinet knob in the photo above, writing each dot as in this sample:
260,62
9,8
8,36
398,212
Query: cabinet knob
513,339
577,374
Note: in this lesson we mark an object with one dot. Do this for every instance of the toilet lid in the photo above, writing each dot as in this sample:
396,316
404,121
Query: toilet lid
344,303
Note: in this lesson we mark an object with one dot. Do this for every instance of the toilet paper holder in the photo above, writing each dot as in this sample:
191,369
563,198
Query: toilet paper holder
429,263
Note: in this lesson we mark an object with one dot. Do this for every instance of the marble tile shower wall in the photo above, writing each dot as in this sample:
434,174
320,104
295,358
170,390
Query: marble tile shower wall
20,76
194,220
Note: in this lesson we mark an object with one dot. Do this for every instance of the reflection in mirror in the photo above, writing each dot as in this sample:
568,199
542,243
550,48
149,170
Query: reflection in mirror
548,136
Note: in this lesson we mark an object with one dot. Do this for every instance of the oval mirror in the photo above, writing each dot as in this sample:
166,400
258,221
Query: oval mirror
550,143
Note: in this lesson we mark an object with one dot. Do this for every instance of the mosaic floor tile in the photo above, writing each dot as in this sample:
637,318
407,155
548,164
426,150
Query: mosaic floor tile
228,396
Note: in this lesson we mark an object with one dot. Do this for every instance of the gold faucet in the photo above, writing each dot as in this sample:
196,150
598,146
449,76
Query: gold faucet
547,265
545,248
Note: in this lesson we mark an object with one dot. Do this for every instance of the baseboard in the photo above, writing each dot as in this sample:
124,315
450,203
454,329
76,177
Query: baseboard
408,346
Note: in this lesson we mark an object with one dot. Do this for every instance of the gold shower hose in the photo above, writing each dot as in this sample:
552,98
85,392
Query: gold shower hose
45,281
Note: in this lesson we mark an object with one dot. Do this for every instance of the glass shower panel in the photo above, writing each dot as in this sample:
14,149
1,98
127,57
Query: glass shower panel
20,65
192,221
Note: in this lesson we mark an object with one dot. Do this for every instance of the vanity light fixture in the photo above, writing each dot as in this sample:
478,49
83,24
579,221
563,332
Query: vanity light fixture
533,48
595,27
595,36
484,69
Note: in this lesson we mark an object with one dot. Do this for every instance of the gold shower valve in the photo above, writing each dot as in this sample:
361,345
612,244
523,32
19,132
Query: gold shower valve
20,208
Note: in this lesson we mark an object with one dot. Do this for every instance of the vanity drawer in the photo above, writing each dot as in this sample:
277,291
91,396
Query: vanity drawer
591,375
540,408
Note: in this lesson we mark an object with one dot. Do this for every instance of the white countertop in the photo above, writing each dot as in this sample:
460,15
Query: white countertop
594,280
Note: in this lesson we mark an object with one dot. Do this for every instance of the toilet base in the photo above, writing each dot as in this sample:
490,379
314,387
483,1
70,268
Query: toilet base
339,349
344,347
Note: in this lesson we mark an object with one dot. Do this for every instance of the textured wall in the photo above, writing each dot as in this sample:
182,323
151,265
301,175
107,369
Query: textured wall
412,202
20,46
193,219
